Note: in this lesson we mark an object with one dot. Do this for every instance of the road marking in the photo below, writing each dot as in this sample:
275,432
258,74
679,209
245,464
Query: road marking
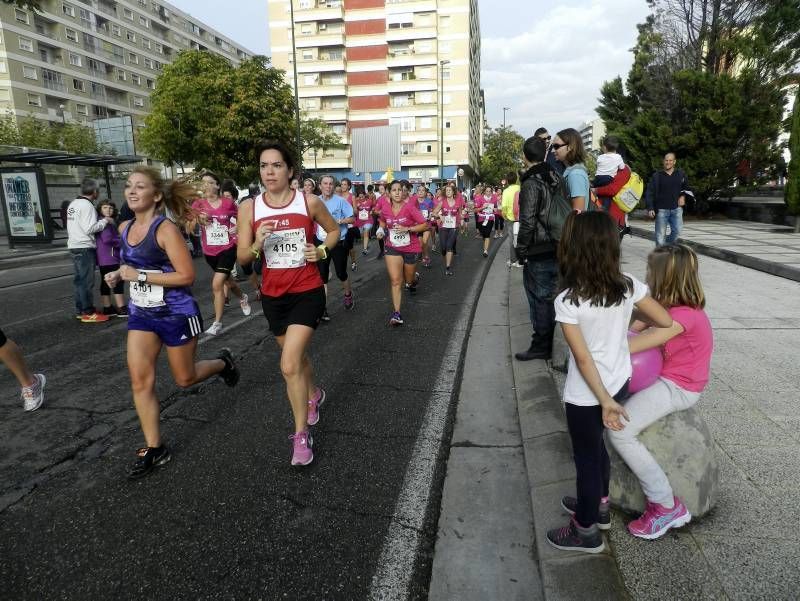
398,556
34,283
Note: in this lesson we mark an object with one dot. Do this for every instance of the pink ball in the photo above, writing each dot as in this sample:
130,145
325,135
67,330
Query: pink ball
646,368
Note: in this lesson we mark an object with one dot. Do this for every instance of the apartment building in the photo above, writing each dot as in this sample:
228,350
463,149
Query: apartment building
363,63
95,61
592,133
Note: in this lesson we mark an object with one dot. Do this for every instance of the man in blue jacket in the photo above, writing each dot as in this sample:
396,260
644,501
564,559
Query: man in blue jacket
665,198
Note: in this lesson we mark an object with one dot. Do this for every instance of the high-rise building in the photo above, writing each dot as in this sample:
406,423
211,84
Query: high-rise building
592,133
95,61
363,63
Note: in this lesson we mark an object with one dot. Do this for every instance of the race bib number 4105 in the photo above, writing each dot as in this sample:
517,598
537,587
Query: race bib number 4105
285,249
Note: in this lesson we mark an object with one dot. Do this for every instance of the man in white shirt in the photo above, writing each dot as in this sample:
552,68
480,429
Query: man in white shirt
82,225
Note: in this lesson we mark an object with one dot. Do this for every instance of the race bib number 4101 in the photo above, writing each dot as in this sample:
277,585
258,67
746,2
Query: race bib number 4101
145,294
284,249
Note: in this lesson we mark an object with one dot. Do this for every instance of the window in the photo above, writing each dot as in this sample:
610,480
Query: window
138,101
122,76
308,55
307,4
144,22
136,79
149,63
75,60
28,72
447,149
34,100
68,10
116,30
335,55
146,43
71,34
425,73
335,79
305,28
401,100
447,125
21,16
311,80
143,3
151,84
127,13
425,147
131,36
26,44
133,58
425,98
338,128
400,20
405,123
77,84
159,48
81,109
407,148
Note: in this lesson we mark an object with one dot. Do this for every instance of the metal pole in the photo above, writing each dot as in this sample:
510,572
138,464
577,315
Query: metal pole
442,63
296,97
108,181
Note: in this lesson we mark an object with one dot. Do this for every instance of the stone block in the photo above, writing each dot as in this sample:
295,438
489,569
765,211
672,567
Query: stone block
683,446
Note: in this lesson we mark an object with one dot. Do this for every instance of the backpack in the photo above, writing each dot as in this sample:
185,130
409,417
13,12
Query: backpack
556,212
629,196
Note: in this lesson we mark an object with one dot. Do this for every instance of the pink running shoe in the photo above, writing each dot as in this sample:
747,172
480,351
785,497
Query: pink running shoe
657,519
314,404
302,453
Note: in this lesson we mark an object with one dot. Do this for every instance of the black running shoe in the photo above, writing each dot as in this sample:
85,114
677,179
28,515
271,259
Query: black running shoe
230,374
570,505
576,538
147,459
325,316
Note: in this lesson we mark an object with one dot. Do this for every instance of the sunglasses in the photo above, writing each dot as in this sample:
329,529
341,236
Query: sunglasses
555,146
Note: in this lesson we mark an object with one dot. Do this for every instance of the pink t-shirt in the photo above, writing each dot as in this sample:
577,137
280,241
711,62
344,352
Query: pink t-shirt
408,216
687,357
484,207
364,205
219,233
449,211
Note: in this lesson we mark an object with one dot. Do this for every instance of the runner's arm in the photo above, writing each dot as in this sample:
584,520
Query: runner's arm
246,249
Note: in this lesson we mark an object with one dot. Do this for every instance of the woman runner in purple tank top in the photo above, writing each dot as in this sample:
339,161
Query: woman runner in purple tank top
157,264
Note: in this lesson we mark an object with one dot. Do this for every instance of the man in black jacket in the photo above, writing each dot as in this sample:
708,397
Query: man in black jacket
665,198
535,248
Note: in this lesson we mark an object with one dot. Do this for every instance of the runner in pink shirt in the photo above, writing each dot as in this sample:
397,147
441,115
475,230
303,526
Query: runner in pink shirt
217,218
363,213
450,213
401,222
484,213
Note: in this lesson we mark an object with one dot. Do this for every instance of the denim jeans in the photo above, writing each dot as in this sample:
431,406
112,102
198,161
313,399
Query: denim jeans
675,219
83,262
539,278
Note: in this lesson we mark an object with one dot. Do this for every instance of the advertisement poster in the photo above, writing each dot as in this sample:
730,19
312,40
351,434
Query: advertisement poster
24,207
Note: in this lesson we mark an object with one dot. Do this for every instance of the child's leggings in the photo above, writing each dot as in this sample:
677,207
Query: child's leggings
645,408
592,467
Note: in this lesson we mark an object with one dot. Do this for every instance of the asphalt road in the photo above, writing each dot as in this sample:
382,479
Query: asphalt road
228,518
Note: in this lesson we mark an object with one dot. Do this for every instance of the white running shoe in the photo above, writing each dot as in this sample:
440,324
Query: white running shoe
33,395
215,328
244,303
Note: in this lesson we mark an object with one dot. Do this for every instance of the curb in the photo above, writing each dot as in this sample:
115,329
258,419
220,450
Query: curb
551,472
776,269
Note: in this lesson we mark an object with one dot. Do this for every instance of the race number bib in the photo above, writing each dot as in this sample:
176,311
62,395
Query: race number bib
284,249
449,221
397,238
488,209
145,294
363,215
217,235
425,213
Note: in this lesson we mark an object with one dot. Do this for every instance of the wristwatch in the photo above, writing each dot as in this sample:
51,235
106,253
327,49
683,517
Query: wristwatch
324,250
142,277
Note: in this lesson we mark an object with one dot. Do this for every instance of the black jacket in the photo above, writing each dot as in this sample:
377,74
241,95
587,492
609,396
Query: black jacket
536,189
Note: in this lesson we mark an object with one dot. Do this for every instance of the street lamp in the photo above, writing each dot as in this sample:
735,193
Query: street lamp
442,63
505,108
63,116
296,97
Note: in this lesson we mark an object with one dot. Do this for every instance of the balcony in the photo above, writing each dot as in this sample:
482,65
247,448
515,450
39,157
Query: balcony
322,39
411,85
410,33
320,65
321,13
410,60
107,9
57,86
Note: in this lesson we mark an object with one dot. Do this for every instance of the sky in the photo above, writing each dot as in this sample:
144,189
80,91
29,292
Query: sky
545,61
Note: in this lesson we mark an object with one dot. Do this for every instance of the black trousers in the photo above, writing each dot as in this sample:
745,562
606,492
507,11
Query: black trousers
592,465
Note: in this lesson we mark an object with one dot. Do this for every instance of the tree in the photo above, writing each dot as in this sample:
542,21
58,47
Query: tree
793,172
28,4
698,88
39,133
211,114
503,154
317,135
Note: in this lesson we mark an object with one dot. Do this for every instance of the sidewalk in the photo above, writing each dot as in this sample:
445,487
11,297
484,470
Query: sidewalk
28,253
498,502
773,249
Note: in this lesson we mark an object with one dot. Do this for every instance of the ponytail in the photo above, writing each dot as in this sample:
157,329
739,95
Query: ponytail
177,195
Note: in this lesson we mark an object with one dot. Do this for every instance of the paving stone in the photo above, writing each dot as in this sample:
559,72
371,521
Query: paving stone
584,577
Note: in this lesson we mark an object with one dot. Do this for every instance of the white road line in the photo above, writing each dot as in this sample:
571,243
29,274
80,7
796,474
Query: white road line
395,568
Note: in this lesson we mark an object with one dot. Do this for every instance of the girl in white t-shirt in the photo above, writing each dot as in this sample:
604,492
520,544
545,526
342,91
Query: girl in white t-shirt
594,308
